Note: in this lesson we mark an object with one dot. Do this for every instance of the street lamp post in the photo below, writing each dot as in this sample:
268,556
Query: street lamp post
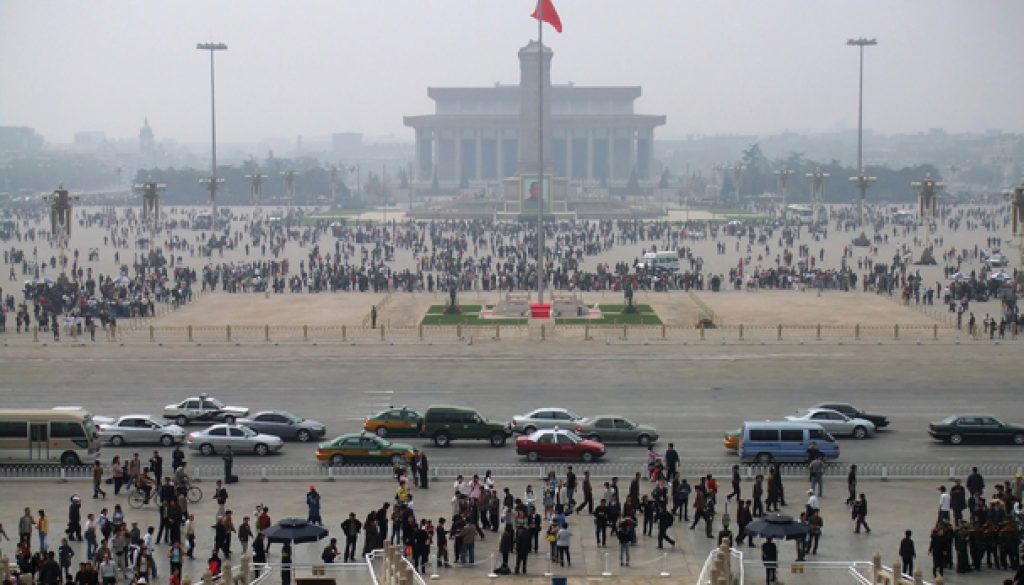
1015,197
737,176
817,193
784,175
927,207
61,219
355,168
860,180
150,191
213,181
256,186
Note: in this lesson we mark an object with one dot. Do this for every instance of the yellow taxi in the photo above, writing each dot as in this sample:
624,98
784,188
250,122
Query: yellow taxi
363,448
395,422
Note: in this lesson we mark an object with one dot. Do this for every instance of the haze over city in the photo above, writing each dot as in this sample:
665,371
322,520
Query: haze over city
317,67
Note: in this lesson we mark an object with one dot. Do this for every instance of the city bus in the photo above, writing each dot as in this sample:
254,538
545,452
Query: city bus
63,435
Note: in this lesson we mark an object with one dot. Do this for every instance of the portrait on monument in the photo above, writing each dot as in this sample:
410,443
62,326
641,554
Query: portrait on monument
534,192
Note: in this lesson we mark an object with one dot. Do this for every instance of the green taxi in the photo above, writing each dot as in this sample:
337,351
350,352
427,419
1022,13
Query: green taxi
363,448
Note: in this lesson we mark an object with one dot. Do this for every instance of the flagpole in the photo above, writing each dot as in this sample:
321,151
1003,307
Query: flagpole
540,151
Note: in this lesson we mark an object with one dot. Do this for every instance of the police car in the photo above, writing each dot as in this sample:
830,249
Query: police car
203,408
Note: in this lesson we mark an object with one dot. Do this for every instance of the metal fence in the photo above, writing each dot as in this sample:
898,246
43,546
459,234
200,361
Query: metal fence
143,333
314,471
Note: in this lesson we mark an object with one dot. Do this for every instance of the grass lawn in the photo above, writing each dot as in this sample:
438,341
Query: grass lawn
470,316
613,315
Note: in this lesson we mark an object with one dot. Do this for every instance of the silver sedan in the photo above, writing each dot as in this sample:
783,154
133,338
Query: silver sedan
544,418
241,439
134,429
835,422
284,424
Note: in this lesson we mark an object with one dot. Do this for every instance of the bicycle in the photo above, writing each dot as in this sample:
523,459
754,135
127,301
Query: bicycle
193,494
137,498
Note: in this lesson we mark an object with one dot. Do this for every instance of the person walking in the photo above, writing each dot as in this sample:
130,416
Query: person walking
816,469
43,529
522,549
860,513
588,494
851,485
770,557
736,483
665,521
97,480
937,548
907,553
562,541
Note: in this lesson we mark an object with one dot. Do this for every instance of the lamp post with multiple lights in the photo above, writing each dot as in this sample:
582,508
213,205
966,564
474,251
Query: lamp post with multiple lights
212,181
1015,197
784,175
862,181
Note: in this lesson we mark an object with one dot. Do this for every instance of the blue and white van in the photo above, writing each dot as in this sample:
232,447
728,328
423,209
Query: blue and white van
768,441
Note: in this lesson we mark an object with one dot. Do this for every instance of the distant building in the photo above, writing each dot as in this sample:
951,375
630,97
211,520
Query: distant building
347,143
92,138
146,141
592,134
19,139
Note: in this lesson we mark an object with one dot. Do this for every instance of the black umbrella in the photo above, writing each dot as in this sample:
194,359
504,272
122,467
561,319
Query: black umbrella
294,530
777,526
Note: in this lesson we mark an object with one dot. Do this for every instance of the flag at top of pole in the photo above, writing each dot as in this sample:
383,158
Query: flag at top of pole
546,12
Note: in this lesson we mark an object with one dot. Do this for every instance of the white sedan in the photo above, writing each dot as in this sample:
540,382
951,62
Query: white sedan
835,422
140,429
241,439
543,418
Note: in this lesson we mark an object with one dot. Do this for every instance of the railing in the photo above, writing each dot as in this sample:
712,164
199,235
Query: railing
316,471
383,333
871,572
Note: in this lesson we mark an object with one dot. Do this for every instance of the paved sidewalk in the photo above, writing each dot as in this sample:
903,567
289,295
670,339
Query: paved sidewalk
894,507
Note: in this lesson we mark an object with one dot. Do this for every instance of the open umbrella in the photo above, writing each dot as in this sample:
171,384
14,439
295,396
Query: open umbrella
777,526
294,530
122,280
1000,276
961,276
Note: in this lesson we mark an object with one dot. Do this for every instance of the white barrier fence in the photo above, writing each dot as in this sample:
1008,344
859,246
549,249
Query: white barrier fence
314,471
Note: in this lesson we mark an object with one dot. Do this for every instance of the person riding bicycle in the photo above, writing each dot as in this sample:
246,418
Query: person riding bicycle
182,481
145,483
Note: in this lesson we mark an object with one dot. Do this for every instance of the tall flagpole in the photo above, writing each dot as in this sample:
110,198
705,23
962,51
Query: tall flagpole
540,151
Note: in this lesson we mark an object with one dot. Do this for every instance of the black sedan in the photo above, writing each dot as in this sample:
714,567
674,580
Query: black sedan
286,425
880,420
981,428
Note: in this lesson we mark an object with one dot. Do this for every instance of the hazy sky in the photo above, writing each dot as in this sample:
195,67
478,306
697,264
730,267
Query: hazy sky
314,67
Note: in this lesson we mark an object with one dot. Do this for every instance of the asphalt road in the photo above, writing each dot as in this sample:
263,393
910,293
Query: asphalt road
690,394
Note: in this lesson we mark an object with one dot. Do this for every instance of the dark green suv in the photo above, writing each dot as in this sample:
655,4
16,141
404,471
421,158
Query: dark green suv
443,424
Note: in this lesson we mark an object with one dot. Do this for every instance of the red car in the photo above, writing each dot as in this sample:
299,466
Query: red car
558,444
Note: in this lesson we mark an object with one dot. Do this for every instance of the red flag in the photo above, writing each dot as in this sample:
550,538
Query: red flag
549,13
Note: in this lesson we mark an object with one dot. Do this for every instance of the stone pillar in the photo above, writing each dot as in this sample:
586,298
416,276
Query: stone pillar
479,157
458,156
499,149
533,65
590,156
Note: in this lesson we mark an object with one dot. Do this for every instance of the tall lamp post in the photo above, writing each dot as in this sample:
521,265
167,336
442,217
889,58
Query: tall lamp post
213,181
150,191
256,186
784,175
1015,197
927,208
817,193
860,180
61,219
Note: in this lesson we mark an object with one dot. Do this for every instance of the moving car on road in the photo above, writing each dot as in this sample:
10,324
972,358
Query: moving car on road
769,441
543,418
363,448
395,422
612,428
137,429
835,422
879,420
203,408
443,424
731,440
558,444
286,425
980,428
241,439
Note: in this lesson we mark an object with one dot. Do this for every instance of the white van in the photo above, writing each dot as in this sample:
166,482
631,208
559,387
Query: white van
658,261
